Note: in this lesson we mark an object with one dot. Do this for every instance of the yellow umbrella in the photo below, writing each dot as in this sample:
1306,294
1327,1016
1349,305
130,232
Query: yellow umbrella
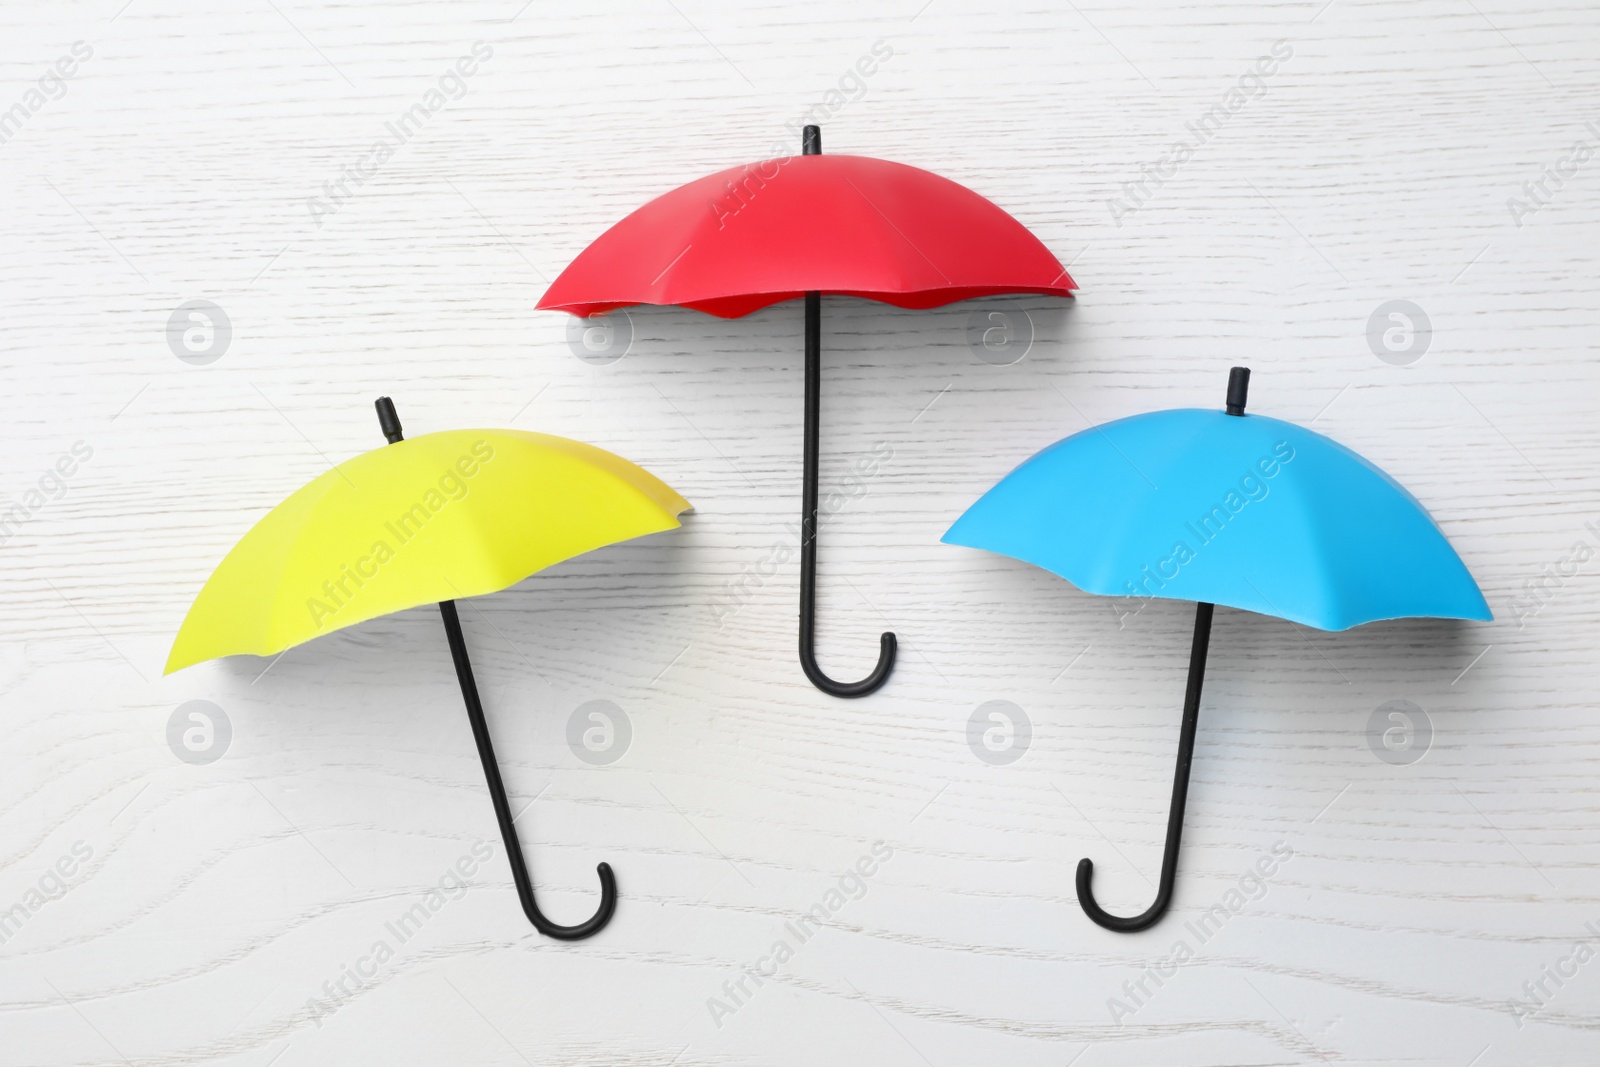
442,516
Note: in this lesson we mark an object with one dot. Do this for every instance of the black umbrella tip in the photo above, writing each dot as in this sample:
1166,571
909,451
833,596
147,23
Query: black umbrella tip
388,419
1238,389
811,141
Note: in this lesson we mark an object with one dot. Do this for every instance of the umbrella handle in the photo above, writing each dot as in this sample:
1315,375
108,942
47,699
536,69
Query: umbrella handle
1180,795
808,529
502,807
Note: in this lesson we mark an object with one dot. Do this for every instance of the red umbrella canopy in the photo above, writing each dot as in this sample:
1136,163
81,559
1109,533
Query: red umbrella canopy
738,240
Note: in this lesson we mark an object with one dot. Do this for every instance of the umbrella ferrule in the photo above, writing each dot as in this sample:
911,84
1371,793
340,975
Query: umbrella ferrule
1238,389
388,420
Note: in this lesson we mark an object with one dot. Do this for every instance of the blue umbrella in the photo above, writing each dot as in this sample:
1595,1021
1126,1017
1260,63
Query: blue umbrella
1220,507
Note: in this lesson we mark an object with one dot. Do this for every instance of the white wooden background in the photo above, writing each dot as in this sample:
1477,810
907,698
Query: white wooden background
1375,165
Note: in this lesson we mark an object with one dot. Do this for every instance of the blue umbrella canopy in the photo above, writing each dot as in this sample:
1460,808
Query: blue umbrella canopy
1220,507
1250,512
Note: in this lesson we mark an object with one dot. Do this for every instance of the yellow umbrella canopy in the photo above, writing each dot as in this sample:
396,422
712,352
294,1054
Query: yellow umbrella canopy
446,515
442,516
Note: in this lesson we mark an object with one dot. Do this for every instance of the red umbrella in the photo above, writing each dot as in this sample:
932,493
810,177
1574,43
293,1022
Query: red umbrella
810,225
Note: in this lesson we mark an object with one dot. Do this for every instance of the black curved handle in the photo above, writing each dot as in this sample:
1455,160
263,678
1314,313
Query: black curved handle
1131,924
887,645
390,422
502,807
590,926
1180,796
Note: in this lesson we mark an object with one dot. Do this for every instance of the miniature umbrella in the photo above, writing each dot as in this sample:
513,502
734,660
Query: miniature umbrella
442,516
813,225
1221,508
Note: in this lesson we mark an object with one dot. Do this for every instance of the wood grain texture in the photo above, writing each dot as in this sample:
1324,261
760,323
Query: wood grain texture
1375,164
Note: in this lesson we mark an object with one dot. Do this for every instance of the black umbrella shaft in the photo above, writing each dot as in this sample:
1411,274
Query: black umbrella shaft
491,766
812,458
1180,775
808,529
502,806
1180,797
